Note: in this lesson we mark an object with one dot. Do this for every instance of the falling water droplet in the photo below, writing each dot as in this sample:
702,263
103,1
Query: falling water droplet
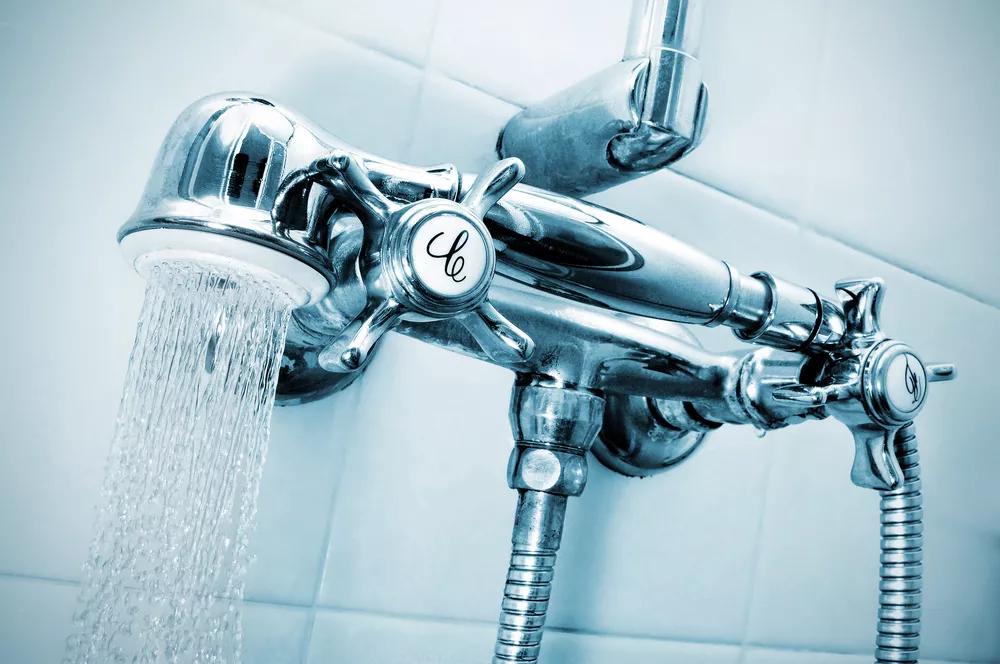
165,575
213,341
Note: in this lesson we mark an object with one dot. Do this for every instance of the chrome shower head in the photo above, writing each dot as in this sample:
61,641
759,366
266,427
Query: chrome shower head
213,188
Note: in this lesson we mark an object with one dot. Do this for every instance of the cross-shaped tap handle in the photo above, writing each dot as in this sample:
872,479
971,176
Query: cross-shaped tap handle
873,384
427,260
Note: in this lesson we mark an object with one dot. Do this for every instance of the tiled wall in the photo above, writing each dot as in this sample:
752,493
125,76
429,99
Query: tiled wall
848,138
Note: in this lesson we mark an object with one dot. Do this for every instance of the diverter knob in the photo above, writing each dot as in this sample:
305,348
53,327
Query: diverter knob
872,384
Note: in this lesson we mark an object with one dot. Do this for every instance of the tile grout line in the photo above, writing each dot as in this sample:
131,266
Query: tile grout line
21,576
467,622
328,535
757,556
472,622
815,99
321,572
418,101
805,229
55,580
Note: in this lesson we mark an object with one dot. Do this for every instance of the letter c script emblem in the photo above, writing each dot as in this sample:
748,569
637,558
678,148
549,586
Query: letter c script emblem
454,263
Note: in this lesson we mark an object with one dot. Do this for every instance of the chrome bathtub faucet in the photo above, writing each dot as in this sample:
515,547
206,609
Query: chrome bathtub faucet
585,306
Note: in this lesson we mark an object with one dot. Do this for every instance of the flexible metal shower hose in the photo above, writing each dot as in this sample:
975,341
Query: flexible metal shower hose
902,555
529,578
525,603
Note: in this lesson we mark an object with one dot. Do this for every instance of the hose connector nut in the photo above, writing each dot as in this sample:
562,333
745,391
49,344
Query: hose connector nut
549,470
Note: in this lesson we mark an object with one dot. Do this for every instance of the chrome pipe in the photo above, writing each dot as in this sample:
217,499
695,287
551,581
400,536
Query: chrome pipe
594,255
664,24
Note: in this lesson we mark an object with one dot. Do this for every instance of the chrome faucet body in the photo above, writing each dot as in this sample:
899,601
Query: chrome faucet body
581,303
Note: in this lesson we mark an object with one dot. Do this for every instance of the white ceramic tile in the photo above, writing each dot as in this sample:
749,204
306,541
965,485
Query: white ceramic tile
373,639
669,556
402,29
274,634
760,59
523,51
457,124
762,656
36,617
301,476
99,88
357,95
906,136
422,522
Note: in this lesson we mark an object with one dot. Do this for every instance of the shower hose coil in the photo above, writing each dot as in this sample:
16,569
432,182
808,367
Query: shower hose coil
525,604
901,570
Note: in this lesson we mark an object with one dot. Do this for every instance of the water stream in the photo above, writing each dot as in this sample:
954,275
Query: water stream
164,580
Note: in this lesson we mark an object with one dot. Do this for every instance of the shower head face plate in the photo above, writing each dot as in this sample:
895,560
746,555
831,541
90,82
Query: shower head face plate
301,283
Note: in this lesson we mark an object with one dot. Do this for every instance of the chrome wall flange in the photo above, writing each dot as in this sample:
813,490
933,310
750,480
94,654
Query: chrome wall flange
641,436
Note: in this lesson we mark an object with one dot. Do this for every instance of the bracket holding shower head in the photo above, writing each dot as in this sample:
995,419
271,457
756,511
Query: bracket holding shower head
627,120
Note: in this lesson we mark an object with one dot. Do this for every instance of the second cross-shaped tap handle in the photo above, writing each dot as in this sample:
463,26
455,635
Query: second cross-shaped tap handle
427,260
873,384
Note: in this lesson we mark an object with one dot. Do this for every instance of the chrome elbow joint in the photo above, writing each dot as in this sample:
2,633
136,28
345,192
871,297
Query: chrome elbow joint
632,118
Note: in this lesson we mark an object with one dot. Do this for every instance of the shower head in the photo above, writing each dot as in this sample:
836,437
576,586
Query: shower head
232,184
211,194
